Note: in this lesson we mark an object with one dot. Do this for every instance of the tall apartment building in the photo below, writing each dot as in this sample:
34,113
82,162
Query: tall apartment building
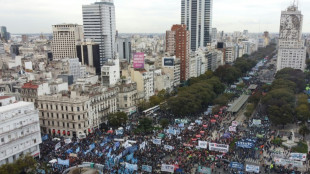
19,129
197,16
214,34
65,39
178,44
292,50
88,54
99,26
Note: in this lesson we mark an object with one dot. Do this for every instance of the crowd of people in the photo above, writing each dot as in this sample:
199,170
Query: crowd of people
180,147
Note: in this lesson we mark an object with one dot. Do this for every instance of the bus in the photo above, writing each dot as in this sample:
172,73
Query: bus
150,111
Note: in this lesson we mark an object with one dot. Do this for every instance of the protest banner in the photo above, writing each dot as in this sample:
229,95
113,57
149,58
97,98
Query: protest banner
285,162
57,146
236,165
245,144
142,145
167,147
157,141
298,156
203,144
146,168
119,132
204,170
131,167
63,162
167,168
257,122
67,141
218,147
252,168
234,123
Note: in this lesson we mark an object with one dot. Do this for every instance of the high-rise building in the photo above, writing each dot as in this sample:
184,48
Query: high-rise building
99,26
4,34
65,39
214,34
2,51
123,47
88,54
292,50
178,44
19,129
197,16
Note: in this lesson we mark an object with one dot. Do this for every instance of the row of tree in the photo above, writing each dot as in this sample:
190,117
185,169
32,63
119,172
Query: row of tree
280,102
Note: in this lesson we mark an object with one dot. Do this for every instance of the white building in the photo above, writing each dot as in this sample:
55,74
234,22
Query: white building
2,51
230,52
65,39
292,50
99,26
73,67
19,130
110,72
214,34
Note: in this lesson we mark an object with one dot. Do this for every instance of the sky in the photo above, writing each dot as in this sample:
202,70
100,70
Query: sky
147,16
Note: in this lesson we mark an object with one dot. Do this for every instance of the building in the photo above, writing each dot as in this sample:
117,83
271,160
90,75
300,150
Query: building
73,67
2,51
25,38
214,34
110,72
30,91
65,39
123,48
173,71
19,130
4,34
197,16
229,52
78,112
178,44
88,54
292,50
99,26
127,96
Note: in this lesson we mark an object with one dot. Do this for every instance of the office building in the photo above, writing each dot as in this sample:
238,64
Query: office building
214,34
178,44
197,16
4,34
292,50
19,129
65,39
123,48
88,54
99,26
2,51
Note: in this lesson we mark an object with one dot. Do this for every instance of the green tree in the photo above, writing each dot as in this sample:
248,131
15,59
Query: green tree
145,125
302,112
221,100
23,164
155,100
249,109
117,119
303,130
164,123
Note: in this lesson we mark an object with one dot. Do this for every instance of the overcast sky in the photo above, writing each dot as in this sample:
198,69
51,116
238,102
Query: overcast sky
147,16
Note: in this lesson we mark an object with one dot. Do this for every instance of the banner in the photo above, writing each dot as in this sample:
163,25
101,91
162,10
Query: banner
57,146
68,141
257,122
245,144
236,165
181,125
284,162
142,145
203,144
119,140
219,147
77,150
63,162
204,170
232,129
298,156
234,123
167,147
252,168
167,168
45,137
138,60
131,167
147,168
156,141
119,132
199,122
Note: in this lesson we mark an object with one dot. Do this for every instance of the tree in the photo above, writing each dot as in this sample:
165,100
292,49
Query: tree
145,125
303,130
23,164
164,123
302,112
249,110
117,119
221,100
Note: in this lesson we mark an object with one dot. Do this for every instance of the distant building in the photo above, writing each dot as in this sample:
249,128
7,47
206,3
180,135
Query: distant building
25,38
65,39
99,26
197,16
88,54
2,51
110,72
19,130
178,44
292,49
214,34
32,90
123,47
4,33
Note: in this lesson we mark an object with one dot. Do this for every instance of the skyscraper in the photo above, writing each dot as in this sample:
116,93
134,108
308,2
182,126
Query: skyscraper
292,50
4,34
99,26
65,39
178,44
197,16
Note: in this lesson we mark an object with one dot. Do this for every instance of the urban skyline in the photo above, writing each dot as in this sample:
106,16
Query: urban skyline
137,16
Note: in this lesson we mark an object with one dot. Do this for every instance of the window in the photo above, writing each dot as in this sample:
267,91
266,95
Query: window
72,117
68,125
79,117
35,141
78,108
2,140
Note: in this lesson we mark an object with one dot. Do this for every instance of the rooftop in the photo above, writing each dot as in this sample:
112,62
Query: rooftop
29,85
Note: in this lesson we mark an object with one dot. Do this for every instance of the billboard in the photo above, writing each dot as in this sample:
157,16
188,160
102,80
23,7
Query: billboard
138,60
168,61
